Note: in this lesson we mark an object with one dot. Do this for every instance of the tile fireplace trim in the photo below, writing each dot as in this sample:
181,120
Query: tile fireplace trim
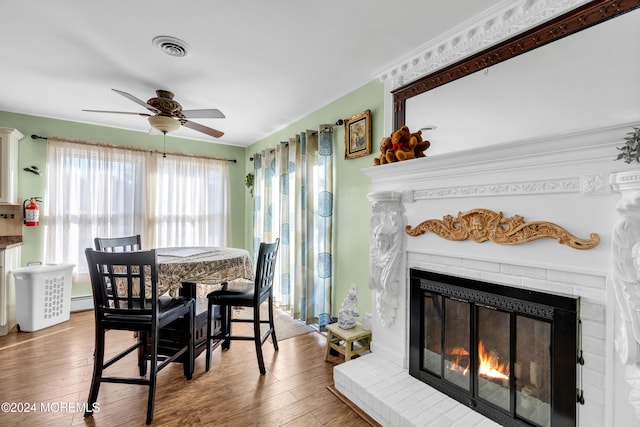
383,388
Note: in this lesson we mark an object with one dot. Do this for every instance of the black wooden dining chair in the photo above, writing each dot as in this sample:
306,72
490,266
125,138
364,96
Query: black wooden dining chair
133,305
246,294
118,244
125,244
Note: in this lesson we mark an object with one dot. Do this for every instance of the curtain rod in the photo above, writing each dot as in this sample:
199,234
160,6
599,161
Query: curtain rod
325,128
124,147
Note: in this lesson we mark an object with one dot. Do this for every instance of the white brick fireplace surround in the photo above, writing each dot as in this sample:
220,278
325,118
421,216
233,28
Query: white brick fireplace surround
570,180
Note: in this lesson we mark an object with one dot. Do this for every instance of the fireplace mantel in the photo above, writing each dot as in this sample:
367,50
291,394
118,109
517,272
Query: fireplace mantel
562,178
450,174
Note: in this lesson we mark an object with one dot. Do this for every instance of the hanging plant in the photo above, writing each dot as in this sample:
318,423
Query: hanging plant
248,181
630,152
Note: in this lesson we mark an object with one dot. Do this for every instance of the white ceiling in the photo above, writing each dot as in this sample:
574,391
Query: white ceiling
263,63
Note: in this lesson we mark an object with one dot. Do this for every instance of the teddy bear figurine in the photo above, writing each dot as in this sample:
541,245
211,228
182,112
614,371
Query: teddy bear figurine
387,155
420,146
401,145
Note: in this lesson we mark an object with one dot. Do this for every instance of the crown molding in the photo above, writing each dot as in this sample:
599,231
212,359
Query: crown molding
479,33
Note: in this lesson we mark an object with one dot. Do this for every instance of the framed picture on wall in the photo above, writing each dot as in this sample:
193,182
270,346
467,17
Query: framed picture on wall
357,135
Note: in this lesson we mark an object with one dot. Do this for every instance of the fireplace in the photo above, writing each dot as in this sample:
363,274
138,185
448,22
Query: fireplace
508,353
605,280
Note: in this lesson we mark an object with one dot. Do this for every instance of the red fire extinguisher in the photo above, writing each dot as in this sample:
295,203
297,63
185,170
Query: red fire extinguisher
31,212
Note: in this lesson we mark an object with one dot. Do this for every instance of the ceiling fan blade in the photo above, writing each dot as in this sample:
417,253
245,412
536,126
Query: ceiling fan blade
136,100
204,129
118,112
211,113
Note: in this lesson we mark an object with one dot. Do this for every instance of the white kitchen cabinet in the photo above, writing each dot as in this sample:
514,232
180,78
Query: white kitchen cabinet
9,139
9,261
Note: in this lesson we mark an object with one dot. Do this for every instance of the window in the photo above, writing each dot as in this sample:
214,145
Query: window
96,191
191,202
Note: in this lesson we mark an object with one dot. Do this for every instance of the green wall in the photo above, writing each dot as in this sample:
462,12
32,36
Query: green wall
33,152
351,206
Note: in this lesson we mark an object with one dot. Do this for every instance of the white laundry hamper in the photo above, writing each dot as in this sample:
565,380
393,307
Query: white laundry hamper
43,295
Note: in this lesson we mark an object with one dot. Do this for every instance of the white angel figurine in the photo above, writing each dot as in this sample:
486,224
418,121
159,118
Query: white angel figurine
349,311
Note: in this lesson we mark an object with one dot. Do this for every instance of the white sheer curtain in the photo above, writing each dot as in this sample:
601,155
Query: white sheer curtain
91,191
191,206
104,191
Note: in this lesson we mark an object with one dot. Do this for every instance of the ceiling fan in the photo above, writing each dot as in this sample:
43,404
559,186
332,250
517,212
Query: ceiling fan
168,114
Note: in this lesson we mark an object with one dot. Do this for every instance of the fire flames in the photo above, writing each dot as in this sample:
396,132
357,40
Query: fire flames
489,365
459,355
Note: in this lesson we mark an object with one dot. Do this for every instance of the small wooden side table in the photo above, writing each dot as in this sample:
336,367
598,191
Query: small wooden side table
342,340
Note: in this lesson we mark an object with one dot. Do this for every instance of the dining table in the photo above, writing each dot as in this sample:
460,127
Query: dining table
193,272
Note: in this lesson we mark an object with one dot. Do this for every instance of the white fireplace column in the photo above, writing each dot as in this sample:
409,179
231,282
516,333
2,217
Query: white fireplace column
387,276
625,275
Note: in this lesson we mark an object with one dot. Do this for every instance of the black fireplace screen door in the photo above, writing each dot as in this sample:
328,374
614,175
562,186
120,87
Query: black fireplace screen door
495,352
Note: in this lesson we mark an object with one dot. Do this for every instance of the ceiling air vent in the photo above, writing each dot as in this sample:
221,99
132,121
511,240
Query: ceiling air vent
171,46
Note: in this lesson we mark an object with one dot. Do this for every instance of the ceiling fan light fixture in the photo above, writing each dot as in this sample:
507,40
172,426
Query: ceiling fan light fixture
164,123
171,46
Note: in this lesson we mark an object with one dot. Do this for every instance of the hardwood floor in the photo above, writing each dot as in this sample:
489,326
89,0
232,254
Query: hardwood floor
48,372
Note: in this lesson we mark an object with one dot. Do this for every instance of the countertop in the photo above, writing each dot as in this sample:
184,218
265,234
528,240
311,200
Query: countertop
7,242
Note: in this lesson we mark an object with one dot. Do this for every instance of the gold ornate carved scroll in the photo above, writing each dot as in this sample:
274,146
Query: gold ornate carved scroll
483,224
